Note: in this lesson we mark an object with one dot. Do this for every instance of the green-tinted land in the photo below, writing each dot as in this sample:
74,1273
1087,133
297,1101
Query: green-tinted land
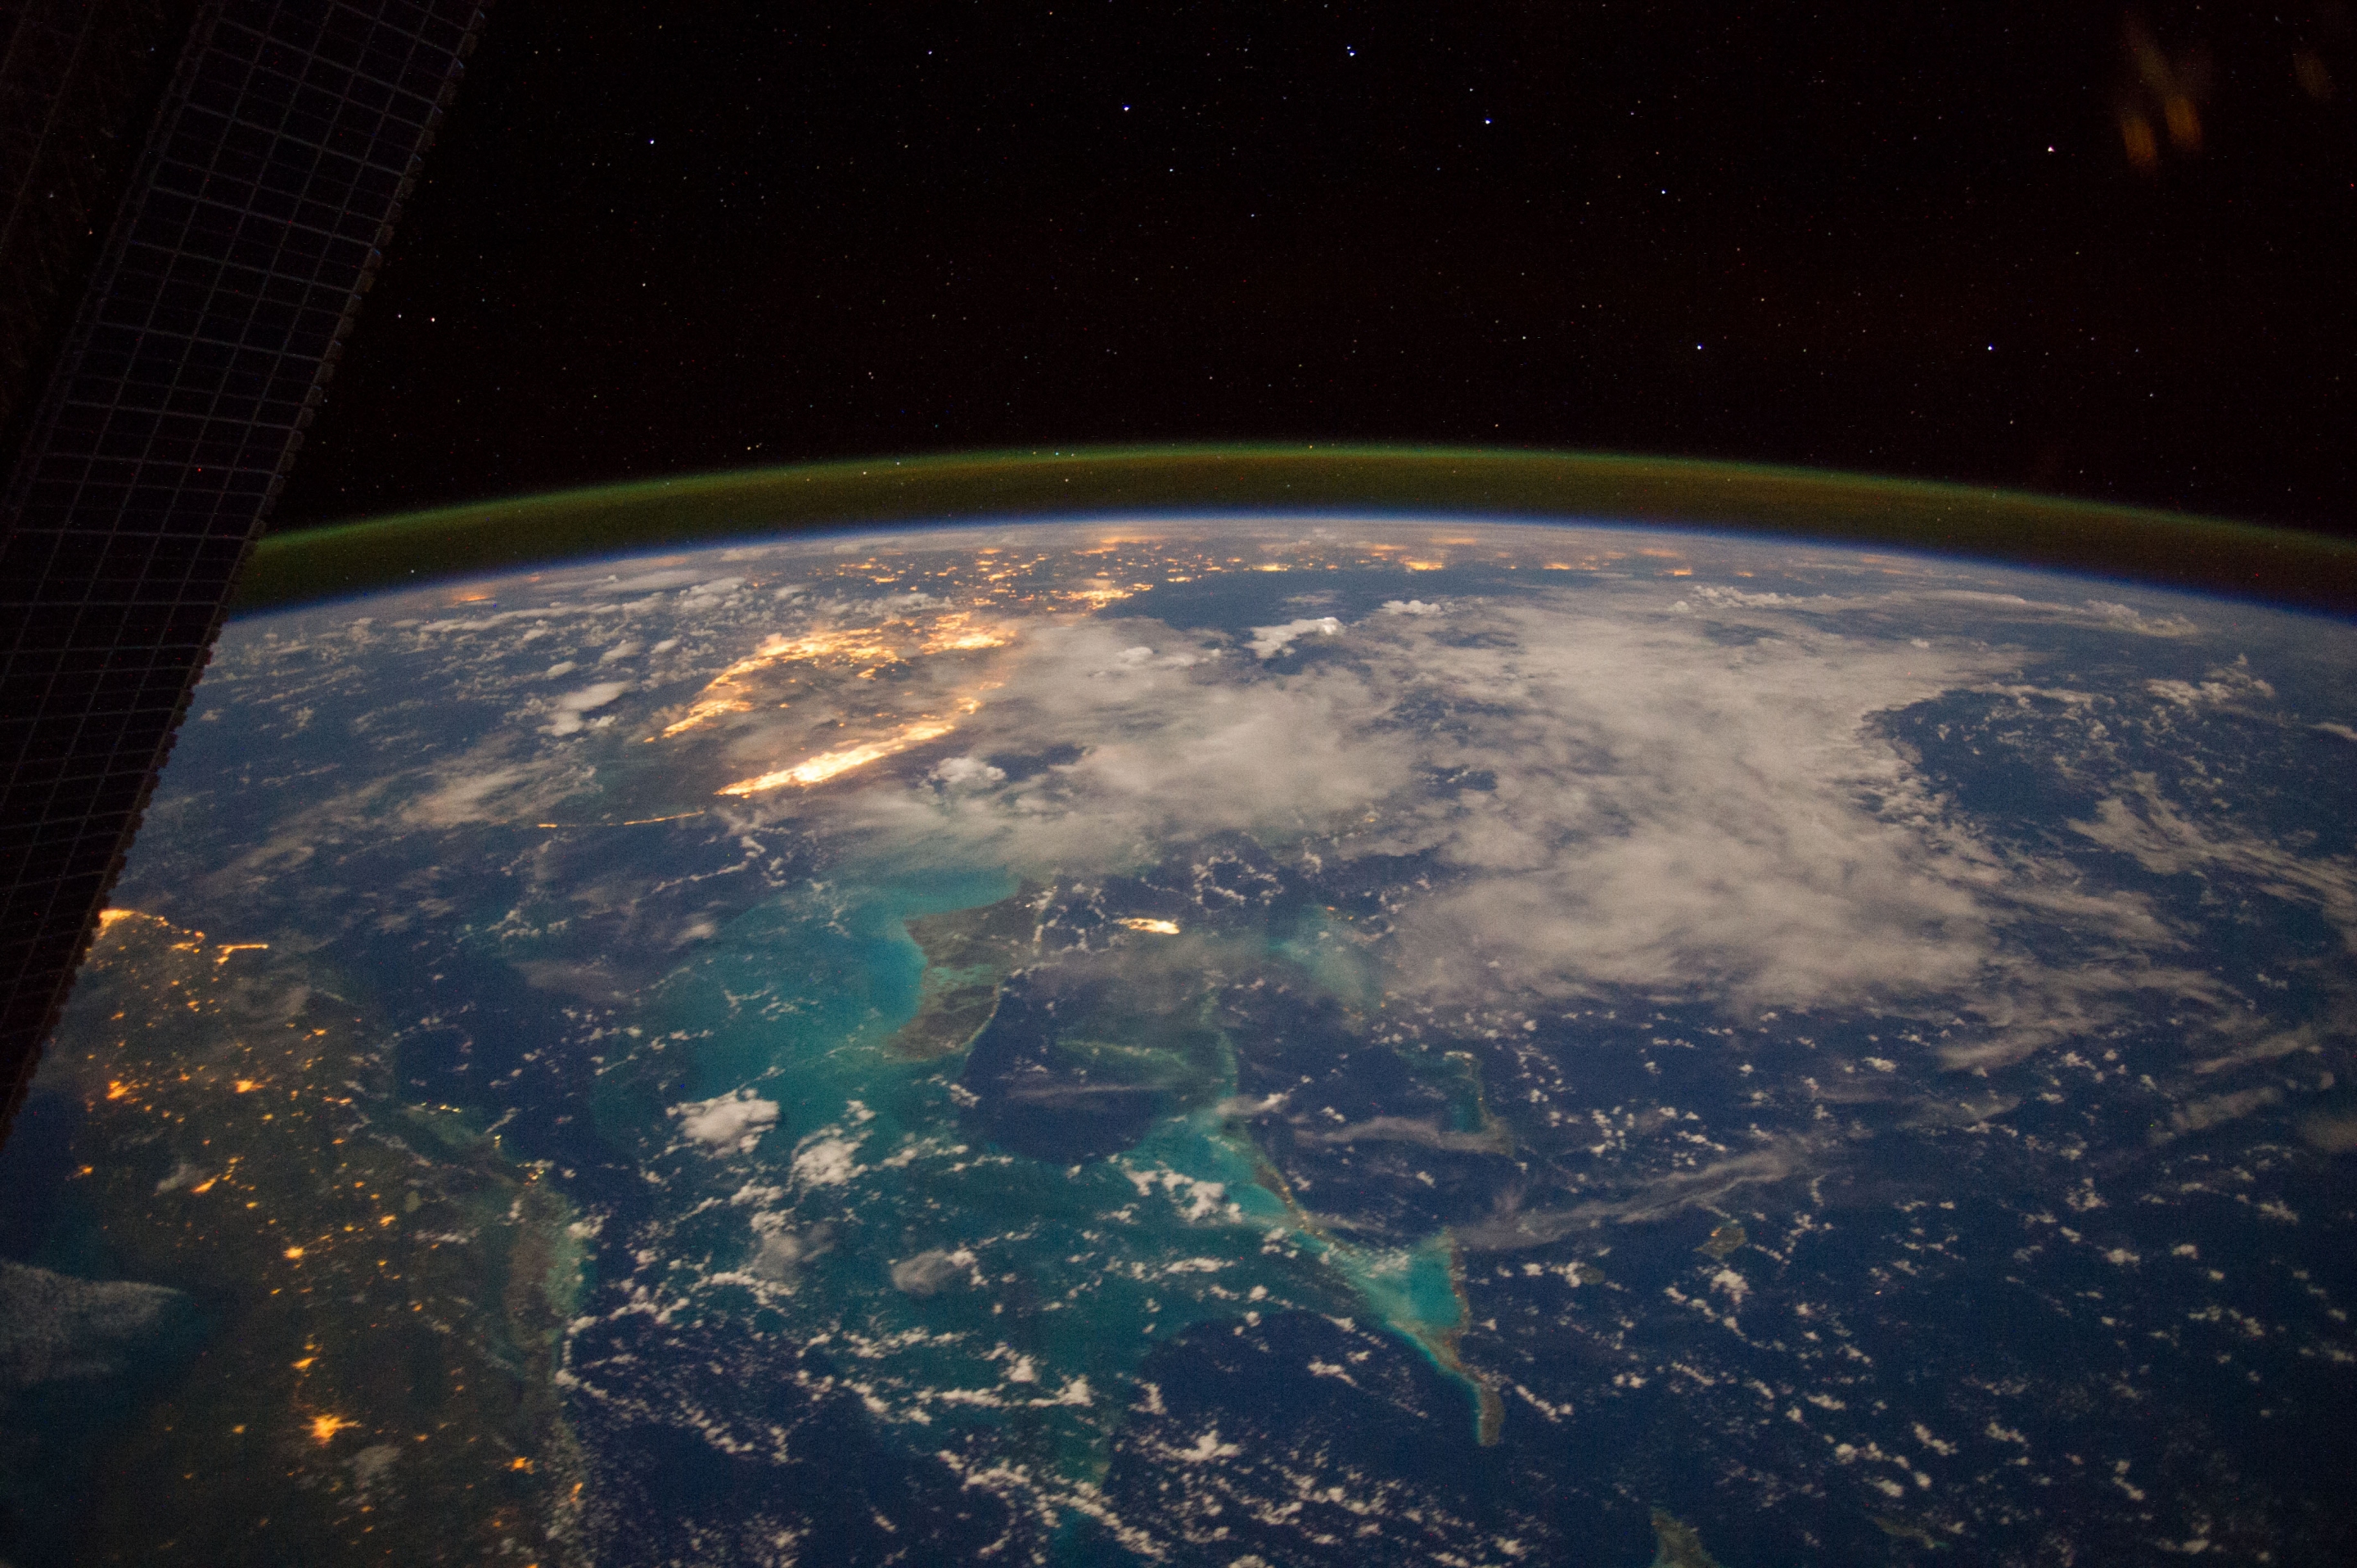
1677,1545
1902,1529
967,953
2170,548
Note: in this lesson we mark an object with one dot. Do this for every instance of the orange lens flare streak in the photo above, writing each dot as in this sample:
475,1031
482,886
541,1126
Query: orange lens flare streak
828,765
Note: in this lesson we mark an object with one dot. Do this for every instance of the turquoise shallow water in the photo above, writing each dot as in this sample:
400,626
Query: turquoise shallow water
829,968
953,1285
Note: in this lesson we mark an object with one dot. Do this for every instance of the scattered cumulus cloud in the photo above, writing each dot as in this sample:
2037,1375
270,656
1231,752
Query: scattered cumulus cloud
1268,641
966,773
731,1121
827,1161
932,1270
2230,684
573,705
643,583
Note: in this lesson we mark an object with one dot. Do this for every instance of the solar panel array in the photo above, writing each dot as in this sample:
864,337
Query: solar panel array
253,227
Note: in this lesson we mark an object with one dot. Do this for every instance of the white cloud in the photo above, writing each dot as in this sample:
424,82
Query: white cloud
704,596
539,615
467,797
778,1253
827,1162
573,705
2141,824
735,1120
1512,1227
1744,598
1409,607
1207,1447
1166,753
646,582
2333,1134
2230,684
1671,814
1268,641
932,1270
966,773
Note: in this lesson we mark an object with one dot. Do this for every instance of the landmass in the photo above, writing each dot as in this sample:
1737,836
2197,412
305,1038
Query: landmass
385,1291
1676,1545
968,954
1727,1239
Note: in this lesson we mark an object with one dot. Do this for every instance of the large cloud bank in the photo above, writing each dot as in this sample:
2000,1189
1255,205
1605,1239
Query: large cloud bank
1657,804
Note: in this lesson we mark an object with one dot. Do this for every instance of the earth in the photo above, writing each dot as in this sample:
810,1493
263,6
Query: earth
1249,1041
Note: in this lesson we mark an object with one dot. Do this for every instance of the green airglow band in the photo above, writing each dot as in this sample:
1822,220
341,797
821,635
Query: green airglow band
2163,548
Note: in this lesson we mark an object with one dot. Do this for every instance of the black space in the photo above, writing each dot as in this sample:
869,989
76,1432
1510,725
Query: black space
1902,239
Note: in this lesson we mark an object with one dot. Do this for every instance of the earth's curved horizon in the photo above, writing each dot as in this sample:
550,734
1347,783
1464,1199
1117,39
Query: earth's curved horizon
1247,1041
2127,543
